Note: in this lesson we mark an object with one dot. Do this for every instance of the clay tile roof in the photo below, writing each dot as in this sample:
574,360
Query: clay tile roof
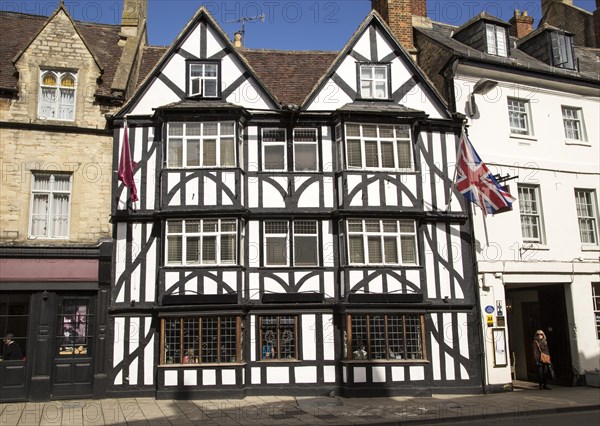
290,75
150,57
19,28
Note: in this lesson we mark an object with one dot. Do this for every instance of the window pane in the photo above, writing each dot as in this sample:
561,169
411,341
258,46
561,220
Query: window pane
305,250
39,215
287,337
210,342
193,152
191,341
370,131
375,250
391,250
359,337
175,129
228,128
209,157
193,129
210,87
172,349
356,249
305,157
175,152
174,249
210,129
404,156
60,215
414,347
354,156
352,130
228,339
227,152
228,247
409,249
396,337
192,250
378,337
269,342
387,155
274,157
276,251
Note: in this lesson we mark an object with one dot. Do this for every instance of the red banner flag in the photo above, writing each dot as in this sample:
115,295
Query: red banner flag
126,166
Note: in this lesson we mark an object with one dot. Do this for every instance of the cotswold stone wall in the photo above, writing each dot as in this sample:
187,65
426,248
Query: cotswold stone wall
34,144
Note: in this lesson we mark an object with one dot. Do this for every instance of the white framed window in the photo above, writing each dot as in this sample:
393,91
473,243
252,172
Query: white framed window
496,40
562,50
201,144
530,208
573,123
274,150
201,242
50,205
203,79
587,215
382,242
376,147
57,95
596,299
305,150
304,243
519,114
374,81
276,243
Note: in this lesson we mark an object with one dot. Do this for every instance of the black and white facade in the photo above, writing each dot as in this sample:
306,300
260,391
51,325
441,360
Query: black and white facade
299,248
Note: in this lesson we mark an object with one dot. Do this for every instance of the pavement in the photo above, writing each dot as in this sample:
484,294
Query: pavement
516,407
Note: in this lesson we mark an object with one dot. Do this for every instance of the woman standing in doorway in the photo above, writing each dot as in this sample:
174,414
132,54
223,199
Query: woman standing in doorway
541,355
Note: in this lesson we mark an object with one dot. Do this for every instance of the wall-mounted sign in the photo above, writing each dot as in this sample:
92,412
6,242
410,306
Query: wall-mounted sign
490,320
489,309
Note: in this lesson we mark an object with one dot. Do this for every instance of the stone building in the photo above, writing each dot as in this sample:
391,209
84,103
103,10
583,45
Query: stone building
58,80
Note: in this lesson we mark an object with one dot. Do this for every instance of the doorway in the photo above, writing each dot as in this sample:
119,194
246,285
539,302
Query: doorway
539,307
14,319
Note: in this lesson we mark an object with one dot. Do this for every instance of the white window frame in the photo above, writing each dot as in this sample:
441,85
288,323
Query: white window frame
573,122
187,138
402,136
292,232
276,235
365,233
372,81
57,107
280,142
534,212
312,144
496,40
520,109
562,50
52,193
596,303
184,234
587,213
202,79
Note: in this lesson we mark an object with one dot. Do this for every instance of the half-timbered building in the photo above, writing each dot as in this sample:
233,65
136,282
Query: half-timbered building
292,232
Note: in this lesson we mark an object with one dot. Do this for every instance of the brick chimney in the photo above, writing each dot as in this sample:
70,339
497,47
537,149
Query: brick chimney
399,16
521,24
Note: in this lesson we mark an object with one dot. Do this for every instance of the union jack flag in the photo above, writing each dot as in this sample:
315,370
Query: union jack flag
476,182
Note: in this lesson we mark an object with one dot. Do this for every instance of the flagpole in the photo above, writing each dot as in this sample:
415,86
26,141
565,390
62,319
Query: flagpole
455,168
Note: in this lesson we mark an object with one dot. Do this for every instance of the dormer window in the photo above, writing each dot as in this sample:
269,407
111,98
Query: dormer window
374,81
496,40
203,79
562,50
57,95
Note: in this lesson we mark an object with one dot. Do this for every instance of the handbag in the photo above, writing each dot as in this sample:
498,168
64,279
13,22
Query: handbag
544,358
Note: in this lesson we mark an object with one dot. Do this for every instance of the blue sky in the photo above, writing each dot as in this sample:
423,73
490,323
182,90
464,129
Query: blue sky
294,25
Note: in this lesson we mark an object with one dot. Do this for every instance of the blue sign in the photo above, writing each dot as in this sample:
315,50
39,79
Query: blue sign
489,309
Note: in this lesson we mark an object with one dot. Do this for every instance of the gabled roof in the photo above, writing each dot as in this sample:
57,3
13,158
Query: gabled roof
201,14
375,18
441,34
483,16
540,29
20,29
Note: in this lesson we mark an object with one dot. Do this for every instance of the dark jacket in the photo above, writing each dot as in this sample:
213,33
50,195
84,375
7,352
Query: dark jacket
12,352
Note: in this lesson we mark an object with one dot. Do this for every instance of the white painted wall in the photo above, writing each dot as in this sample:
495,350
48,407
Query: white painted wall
558,167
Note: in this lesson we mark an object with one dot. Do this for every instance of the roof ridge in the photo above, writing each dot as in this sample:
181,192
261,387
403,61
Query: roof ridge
42,17
268,50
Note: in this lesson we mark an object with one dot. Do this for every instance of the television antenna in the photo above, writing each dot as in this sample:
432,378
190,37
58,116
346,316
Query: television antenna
245,19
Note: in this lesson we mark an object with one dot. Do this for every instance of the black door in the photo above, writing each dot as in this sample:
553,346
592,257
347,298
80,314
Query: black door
14,319
73,367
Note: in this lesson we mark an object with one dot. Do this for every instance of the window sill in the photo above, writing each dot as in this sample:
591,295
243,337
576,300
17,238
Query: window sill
54,120
577,142
523,138
590,248
34,238
535,246
207,365
385,361
279,361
